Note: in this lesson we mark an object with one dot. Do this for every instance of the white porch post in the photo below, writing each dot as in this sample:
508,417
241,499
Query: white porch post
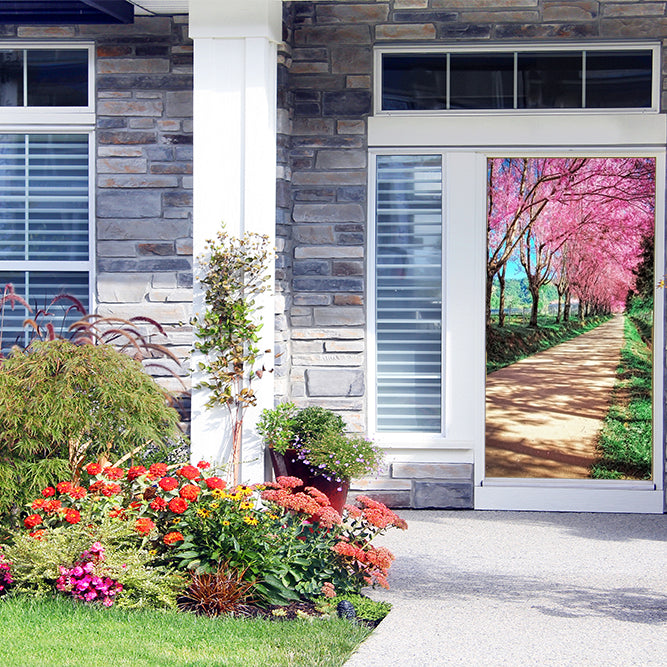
234,175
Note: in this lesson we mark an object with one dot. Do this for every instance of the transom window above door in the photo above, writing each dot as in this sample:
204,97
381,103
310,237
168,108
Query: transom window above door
541,78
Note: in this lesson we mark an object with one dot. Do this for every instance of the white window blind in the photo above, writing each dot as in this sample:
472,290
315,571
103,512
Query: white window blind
44,225
44,197
408,305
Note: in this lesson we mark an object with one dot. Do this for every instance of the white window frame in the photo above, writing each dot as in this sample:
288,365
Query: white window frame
58,120
28,115
402,437
429,49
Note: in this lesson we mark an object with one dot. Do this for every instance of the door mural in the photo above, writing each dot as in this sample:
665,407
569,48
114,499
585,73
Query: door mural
569,314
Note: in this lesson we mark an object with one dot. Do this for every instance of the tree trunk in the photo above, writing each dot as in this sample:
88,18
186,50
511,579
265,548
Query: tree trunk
501,299
566,306
236,450
489,287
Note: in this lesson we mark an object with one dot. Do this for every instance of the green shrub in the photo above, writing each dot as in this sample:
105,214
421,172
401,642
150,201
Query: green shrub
58,399
365,608
36,559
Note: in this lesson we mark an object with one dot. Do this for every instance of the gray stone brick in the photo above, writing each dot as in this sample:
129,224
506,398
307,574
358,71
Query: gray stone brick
123,287
128,204
328,285
348,269
111,123
346,103
311,268
129,107
136,228
334,159
351,60
325,35
339,315
351,12
331,177
450,471
160,249
442,495
142,123
122,166
116,248
145,82
412,31
142,265
333,382
126,137
328,213
179,103
136,181
313,234
325,252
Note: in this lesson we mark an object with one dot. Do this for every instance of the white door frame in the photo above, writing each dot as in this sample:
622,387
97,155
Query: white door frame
467,143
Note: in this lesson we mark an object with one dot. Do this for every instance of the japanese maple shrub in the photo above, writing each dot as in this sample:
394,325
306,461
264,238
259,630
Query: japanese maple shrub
57,399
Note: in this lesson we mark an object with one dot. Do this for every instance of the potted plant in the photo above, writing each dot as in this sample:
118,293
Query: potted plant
311,444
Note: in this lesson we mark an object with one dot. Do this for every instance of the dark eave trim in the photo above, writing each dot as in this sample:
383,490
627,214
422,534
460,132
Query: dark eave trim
64,12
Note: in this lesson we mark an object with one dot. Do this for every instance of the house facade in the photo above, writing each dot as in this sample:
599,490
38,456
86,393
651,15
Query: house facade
309,122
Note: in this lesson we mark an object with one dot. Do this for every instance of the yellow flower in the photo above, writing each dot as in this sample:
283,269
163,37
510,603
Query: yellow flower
218,493
203,512
152,552
244,490
225,523
250,520
246,506
176,520
273,516
214,506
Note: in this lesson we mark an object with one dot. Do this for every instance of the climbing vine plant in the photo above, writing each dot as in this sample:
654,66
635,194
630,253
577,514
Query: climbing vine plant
235,272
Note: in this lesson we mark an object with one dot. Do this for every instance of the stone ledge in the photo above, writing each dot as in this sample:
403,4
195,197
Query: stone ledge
432,471
432,494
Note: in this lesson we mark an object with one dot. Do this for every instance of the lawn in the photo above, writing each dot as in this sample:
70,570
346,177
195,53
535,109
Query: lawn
625,444
64,633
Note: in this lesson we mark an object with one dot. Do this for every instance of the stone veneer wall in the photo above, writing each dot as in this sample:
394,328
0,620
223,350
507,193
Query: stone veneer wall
143,169
326,93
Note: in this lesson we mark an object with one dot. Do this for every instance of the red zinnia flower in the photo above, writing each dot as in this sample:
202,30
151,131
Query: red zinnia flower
72,516
93,469
38,534
178,505
51,506
189,492
32,520
189,472
64,487
157,470
48,492
114,473
203,465
168,483
215,483
38,504
173,537
144,525
117,513
111,490
158,504
77,492
136,471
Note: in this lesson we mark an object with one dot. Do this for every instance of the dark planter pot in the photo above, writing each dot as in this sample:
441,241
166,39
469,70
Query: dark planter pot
288,464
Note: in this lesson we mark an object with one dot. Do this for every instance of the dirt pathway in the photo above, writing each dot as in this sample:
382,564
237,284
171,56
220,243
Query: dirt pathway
543,413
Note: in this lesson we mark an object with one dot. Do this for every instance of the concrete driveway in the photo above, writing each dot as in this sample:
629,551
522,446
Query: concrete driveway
523,588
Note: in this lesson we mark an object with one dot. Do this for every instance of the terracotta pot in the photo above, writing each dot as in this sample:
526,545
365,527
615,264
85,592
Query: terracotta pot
288,464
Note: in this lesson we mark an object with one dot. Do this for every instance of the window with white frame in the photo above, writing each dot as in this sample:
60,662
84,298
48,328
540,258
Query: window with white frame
408,293
593,77
45,180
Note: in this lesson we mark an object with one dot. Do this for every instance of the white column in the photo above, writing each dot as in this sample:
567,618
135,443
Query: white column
234,176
